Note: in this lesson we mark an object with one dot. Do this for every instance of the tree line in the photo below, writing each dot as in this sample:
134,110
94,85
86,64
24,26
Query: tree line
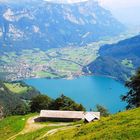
12,104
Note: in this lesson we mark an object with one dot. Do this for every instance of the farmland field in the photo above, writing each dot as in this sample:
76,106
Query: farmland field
53,63
16,88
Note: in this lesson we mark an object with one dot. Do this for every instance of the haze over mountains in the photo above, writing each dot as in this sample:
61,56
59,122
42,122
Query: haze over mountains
45,24
125,11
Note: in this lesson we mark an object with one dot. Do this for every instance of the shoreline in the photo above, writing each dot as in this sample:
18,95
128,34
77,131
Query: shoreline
72,77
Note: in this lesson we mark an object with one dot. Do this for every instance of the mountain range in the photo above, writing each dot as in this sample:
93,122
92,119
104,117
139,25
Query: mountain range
43,24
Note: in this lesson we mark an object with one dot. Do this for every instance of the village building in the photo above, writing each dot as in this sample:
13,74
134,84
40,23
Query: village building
67,116
91,116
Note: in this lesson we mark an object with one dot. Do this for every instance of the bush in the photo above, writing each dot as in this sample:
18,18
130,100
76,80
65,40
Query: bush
40,102
21,109
65,103
104,112
133,96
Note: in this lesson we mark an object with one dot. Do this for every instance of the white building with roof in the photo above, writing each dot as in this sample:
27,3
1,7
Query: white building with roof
57,115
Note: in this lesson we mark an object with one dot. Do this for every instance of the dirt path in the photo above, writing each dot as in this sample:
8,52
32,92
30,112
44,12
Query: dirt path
30,126
53,131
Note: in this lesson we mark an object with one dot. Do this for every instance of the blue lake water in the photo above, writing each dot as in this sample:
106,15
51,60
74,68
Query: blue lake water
87,90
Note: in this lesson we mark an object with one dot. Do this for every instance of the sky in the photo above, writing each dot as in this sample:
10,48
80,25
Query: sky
127,11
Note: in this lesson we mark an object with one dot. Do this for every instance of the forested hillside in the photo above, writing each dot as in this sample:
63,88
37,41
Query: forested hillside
17,98
118,60
11,100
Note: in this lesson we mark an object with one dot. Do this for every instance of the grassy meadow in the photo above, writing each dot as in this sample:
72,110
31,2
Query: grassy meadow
16,87
122,126
11,126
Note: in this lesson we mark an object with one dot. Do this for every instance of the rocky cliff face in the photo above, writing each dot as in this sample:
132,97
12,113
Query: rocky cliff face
47,24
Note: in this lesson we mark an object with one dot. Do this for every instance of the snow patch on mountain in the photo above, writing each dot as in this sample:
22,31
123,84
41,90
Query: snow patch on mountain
66,1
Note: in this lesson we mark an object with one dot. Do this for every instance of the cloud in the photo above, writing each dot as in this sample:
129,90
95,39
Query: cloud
66,1
120,3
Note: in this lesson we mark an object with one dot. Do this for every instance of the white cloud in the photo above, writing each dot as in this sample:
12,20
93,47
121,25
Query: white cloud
66,1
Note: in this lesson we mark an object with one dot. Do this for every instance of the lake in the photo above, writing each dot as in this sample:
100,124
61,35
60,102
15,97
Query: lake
87,90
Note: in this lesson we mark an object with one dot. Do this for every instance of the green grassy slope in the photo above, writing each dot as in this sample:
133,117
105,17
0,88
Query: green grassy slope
11,126
22,128
122,126
12,95
16,87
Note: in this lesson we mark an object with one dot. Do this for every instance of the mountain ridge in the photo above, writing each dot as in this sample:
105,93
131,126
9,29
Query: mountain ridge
119,60
48,25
